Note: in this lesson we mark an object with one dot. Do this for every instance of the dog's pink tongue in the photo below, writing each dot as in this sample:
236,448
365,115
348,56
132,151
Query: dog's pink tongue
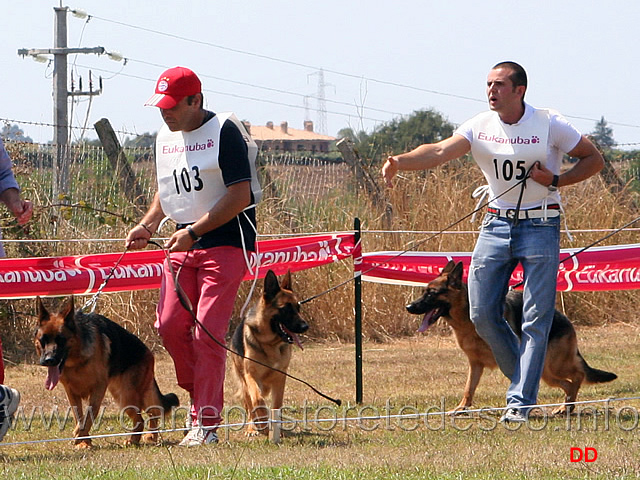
296,340
295,337
426,321
53,376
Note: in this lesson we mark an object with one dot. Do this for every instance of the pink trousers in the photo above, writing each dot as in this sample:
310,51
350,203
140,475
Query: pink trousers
210,278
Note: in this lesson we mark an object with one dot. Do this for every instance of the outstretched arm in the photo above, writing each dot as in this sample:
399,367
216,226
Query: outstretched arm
425,156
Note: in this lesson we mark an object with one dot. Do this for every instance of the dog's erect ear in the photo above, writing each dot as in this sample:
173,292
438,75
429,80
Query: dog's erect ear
271,286
455,276
448,267
67,307
43,314
286,281
68,312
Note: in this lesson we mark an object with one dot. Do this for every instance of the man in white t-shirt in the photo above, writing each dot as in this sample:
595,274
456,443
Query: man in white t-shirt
519,149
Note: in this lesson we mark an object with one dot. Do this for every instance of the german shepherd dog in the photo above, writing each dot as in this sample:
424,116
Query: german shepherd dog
266,334
446,296
89,353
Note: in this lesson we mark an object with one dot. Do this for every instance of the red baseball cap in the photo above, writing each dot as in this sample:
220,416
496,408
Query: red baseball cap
173,85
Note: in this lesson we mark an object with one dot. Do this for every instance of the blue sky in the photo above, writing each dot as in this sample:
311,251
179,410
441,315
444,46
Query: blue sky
379,60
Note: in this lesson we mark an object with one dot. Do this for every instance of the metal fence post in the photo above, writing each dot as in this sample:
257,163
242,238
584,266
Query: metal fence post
358,314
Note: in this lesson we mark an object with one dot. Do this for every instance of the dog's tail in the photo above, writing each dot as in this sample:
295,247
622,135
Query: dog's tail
168,401
593,375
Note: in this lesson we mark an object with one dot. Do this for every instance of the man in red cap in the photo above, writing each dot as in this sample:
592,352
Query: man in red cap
207,184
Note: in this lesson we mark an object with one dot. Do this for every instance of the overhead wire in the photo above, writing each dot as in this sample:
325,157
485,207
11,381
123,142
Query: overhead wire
244,97
332,71
270,89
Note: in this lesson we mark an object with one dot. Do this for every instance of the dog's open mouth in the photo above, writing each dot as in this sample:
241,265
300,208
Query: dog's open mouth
288,336
53,376
430,318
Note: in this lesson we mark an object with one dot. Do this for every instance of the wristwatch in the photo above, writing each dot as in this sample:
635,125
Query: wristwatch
554,184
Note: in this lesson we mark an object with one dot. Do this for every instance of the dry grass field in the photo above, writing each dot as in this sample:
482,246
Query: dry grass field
416,375
403,373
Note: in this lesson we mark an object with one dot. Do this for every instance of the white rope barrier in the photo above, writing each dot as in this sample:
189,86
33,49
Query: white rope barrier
276,421
310,234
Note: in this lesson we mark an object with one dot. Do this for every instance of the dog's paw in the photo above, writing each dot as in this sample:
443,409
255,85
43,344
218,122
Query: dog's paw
253,432
132,442
460,409
151,439
82,444
560,411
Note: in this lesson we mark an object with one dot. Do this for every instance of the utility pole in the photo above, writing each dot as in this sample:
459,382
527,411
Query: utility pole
61,94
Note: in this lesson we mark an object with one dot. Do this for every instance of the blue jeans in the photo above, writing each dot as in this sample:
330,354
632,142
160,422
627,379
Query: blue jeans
534,243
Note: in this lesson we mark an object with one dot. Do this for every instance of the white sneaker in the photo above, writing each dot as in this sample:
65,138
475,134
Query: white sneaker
513,415
9,401
199,436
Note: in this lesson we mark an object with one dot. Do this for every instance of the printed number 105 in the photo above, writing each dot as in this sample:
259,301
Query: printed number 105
507,170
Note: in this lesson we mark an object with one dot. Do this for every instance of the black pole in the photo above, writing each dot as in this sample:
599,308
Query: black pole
358,317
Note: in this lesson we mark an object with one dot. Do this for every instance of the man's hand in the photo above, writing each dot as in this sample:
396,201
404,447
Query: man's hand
23,211
137,238
541,174
389,170
180,241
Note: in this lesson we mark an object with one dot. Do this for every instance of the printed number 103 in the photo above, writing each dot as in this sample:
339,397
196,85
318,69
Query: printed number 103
184,180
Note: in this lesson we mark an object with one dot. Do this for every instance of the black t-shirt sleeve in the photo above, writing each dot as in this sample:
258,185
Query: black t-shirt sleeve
233,156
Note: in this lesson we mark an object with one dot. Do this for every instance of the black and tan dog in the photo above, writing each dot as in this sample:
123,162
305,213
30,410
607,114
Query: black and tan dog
266,335
446,296
89,353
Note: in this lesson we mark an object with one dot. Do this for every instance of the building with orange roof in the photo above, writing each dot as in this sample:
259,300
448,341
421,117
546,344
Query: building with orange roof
282,139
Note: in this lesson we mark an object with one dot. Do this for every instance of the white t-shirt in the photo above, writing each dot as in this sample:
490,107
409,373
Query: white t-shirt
505,152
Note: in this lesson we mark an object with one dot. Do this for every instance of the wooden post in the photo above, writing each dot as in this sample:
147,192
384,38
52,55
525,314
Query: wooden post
120,164
363,177
615,183
275,426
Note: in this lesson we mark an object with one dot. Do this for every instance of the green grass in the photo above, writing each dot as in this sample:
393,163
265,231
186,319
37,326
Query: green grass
406,376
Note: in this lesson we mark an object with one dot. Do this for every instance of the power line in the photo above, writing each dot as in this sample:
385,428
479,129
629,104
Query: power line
302,65
335,72
269,89
287,62
244,97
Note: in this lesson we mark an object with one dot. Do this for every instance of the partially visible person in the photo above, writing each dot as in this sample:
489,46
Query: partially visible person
22,210
9,401
207,185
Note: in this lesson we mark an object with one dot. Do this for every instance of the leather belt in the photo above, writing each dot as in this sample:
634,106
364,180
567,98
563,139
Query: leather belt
552,211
